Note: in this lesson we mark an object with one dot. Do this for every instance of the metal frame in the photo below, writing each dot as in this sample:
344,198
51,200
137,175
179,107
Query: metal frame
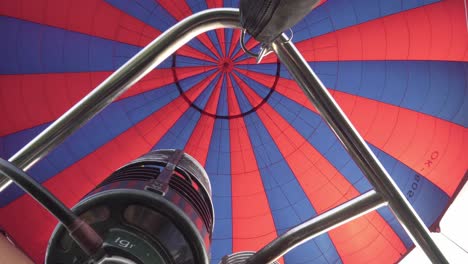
386,191
119,82
318,225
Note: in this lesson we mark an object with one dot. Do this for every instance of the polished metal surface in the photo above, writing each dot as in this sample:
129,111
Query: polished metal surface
318,225
356,146
240,257
122,79
115,260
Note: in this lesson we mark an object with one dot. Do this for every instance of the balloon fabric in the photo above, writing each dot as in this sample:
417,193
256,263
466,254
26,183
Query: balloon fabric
398,69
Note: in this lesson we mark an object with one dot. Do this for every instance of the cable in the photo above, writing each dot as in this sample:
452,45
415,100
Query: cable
78,229
466,251
42,195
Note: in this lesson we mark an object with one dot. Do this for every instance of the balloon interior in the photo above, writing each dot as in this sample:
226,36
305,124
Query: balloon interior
397,69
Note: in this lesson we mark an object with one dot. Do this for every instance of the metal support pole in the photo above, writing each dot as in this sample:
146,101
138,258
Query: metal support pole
122,79
318,225
356,146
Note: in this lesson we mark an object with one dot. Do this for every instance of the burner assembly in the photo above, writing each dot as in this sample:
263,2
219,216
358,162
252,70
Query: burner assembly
155,209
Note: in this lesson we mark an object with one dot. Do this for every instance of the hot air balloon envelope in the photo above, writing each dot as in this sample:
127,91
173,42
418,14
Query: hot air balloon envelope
397,68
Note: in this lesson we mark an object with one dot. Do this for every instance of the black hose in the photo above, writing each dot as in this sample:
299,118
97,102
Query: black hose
38,192
79,230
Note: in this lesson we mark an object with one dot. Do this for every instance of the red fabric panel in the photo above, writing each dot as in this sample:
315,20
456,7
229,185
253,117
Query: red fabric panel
431,32
180,10
164,119
426,144
214,3
219,32
252,222
188,51
366,239
222,41
44,97
254,101
234,41
92,17
199,142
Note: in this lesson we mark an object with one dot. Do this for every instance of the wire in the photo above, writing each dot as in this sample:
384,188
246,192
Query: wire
83,234
38,192
455,243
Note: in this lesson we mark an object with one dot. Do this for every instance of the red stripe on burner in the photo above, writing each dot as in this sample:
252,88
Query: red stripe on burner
51,95
431,32
252,222
92,17
362,240
199,142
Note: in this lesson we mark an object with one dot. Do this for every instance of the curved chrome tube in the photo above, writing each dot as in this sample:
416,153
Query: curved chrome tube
120,81
318,225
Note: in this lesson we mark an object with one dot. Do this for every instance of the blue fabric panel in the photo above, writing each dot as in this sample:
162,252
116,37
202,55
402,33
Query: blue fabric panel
188,83
265,68
35,48
338,14
180,132
183,61
218,166
434,88
283,190
223,101
147,11
321,137
151,13
428,200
